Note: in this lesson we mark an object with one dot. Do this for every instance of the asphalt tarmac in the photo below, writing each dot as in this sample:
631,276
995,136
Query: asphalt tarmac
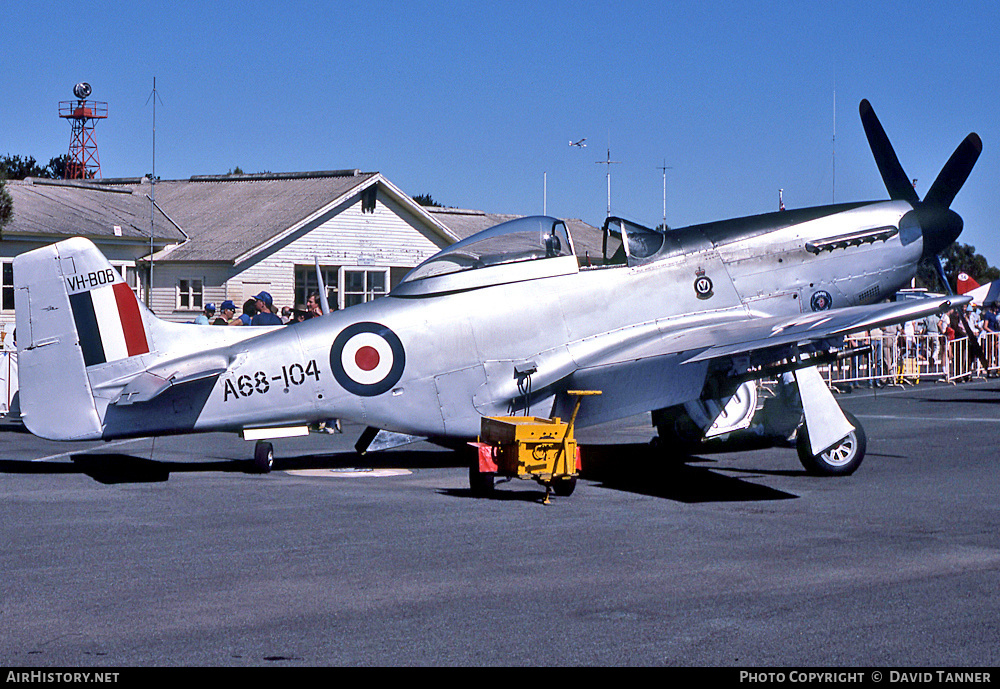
173,553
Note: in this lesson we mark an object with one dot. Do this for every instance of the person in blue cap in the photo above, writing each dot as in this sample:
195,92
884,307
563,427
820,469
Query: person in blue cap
249,311
205,317
265,311
227,312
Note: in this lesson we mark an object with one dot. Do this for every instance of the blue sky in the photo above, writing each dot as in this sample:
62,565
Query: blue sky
475,103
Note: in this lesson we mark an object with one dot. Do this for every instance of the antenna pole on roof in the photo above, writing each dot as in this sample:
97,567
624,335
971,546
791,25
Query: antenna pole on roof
324,302
152,199
664,169
609,163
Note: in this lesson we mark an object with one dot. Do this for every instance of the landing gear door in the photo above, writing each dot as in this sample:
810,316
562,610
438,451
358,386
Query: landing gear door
824,418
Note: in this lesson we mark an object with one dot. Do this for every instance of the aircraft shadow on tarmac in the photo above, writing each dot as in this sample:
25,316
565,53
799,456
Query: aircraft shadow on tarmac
633,468
640,469
643,470
112,468
995,399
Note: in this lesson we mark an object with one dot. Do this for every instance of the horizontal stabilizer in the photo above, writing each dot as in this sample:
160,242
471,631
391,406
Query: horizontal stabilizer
148,385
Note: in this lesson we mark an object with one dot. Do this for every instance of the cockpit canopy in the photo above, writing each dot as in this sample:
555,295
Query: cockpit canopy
528,248
629,242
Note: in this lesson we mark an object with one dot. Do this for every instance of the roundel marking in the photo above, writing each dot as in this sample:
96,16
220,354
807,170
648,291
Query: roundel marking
820,301
367,359
703,287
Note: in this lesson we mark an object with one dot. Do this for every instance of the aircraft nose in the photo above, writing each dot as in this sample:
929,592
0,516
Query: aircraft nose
941,227
938,226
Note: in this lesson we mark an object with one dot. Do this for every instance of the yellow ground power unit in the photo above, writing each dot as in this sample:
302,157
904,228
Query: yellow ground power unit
528,447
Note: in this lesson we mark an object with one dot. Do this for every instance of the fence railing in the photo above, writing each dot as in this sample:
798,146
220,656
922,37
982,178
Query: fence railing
903,360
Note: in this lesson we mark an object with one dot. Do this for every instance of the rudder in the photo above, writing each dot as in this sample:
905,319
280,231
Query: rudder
74,312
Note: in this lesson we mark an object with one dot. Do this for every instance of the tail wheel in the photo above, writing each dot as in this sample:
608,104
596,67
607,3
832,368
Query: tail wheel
840,460
263,457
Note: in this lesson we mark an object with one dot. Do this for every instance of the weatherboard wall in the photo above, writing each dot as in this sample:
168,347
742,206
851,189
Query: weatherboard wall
389,236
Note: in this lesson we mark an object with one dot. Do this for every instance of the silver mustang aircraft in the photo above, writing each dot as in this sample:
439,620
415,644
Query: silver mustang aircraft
507,322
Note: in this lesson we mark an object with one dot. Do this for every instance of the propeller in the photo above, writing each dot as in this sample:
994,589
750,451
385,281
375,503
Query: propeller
931,218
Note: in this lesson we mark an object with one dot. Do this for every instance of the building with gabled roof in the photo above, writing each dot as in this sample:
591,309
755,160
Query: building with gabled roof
229,237
233,236
118,215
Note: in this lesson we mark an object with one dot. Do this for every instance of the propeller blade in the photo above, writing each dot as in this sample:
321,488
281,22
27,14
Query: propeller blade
936,261
955,172
896,182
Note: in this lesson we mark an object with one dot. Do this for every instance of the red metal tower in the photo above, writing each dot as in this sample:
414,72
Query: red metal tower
83,161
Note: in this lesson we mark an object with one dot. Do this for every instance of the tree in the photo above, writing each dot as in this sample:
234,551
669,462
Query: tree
957,258
57,166
16,167
6,204
426,200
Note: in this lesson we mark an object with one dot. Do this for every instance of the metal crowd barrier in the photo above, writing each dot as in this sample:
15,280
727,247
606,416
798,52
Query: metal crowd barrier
902,360
8,380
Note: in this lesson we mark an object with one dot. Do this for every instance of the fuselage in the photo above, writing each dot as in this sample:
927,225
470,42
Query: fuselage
432,363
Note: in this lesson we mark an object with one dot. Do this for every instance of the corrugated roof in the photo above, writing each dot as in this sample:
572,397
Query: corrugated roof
64,209
225,217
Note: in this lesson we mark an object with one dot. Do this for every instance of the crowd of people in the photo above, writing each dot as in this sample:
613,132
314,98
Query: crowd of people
260,310
934,344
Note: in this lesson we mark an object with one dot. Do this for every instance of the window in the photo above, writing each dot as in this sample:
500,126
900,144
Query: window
189,294
306,283
7,295
364,285
344,286
130,274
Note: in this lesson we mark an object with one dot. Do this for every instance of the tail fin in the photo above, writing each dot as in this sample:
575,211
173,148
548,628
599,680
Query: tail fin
75,315
966,284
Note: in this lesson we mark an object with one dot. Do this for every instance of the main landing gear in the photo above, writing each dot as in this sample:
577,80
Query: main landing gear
840,460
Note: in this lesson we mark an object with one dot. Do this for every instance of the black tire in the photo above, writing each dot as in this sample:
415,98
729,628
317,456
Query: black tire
481,482
263,457
842,459
564,487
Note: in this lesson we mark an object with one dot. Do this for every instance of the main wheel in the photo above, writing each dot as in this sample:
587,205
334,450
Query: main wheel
263,457
481,482
840,460
564,487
